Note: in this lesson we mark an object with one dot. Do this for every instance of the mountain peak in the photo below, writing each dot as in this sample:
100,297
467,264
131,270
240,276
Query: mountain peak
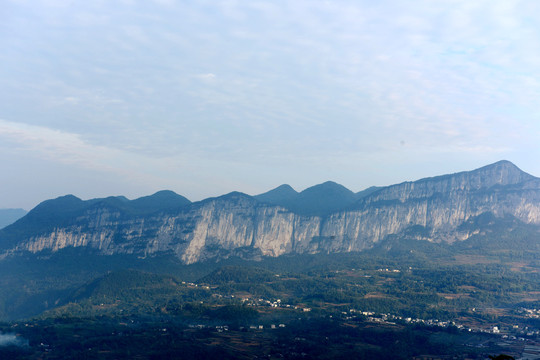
319,199
233,197
323,199
502,165
62,204
285,188
501,172
279,195
163,195
505,162
327,186
160,201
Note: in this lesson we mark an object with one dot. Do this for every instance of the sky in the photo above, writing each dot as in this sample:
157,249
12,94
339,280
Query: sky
110,97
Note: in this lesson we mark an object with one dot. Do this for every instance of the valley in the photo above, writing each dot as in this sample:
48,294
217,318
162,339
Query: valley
317,305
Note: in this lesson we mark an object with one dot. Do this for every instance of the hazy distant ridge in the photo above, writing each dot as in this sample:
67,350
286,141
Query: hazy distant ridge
9,216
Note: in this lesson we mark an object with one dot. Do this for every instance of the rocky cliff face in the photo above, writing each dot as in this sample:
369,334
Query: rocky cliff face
237,224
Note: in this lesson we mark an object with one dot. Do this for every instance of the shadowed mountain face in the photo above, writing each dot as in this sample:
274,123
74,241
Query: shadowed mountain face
164,200
281,195
324,218
319,200
66,211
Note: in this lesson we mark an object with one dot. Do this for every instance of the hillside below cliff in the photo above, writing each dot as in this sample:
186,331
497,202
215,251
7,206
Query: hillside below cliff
326,218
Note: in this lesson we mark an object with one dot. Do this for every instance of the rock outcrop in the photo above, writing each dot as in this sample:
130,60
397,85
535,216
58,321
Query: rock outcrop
238,224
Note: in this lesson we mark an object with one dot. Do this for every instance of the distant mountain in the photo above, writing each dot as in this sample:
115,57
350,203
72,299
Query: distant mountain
326,218
281,195
164,200
498,176
66,209
9,216
55,214
323,199
318,200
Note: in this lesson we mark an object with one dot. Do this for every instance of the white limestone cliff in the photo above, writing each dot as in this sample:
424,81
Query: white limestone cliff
234,223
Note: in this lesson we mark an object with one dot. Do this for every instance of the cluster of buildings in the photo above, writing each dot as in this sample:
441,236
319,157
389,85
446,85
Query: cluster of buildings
512,332
275,304
530,313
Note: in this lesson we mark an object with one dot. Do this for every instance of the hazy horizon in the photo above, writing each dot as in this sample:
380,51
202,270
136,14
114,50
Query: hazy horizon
204,98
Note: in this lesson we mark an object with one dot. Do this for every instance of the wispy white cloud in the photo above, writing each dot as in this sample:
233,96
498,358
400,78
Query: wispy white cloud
56,145
208,77
213,83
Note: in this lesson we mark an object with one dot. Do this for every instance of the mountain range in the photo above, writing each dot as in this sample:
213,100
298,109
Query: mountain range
326,218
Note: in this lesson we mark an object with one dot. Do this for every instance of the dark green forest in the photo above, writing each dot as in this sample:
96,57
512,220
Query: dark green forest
402,299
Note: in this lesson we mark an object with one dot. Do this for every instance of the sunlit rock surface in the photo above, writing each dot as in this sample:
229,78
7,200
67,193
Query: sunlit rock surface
241,225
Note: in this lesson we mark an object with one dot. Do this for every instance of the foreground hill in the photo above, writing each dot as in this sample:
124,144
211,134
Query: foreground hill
323,219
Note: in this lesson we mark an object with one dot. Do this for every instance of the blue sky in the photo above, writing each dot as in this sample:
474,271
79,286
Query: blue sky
129,97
